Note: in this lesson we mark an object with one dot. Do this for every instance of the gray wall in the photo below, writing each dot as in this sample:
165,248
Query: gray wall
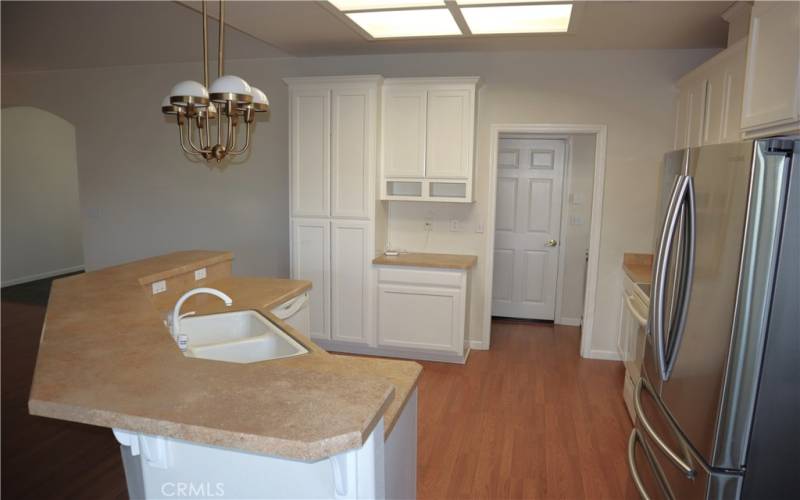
580,181
140,196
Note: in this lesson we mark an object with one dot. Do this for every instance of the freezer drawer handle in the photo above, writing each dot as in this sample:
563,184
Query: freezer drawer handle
637,406
635,472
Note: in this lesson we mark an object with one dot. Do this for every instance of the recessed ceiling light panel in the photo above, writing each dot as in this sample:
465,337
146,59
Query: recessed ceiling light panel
406,23
490,2
349,5
548,18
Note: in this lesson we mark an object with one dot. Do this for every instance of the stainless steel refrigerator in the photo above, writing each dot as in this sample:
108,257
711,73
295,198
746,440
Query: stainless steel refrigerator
718,406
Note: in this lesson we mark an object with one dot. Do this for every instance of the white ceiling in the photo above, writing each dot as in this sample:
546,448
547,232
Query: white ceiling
60,35
306,28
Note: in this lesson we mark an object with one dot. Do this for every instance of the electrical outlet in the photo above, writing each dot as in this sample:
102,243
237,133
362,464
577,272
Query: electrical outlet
159,287
200,274
455,225
479,227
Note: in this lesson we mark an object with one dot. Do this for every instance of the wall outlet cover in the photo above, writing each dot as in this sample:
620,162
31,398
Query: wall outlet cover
159,287
200,274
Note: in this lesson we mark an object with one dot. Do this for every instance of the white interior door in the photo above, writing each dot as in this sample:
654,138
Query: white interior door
528,221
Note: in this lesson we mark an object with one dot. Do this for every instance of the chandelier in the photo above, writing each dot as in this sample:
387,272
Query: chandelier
209,118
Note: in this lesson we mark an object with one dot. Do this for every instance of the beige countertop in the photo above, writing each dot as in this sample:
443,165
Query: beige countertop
638,267
106,359
440,260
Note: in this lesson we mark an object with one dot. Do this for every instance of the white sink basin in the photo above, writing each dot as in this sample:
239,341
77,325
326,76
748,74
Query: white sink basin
237,337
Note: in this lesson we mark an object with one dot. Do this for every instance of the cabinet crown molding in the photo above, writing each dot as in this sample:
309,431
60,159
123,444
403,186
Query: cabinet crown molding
332,80
438,80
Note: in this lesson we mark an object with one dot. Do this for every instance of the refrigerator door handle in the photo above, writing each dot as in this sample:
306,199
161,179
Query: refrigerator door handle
679,462
679,325
657,302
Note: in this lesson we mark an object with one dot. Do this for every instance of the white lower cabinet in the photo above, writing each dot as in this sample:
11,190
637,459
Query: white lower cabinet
335,256
311,261
422,310
350,271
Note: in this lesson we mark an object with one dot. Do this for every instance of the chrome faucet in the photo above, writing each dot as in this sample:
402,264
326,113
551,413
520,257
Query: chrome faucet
176,312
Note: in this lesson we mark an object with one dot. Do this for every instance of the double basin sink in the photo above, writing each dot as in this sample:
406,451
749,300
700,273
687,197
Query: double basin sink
237,337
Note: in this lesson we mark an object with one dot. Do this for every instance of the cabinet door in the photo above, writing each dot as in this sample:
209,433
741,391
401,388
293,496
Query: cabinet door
698,112
311,261
352,151
420,317
310,152
350,276
733,92
404,131
773,55
682,113
449,138
691,109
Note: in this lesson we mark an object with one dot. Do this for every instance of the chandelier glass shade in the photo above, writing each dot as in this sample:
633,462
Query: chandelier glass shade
210,118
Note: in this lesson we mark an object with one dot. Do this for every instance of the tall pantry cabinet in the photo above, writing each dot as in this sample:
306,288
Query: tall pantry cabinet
336,225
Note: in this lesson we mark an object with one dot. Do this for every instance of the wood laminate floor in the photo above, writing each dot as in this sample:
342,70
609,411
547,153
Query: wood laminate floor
527,419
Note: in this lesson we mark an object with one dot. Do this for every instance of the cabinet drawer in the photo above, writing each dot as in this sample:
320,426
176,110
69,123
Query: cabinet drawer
421,276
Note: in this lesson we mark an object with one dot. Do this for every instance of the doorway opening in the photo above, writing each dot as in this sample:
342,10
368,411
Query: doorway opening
543,224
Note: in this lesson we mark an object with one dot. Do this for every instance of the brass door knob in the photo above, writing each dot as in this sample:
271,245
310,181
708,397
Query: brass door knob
550,243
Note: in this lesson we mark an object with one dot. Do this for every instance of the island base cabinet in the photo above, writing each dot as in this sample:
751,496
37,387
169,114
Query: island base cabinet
159,467
401,454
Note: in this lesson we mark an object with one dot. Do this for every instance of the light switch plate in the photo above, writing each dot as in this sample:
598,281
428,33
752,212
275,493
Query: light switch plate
159,287
200,274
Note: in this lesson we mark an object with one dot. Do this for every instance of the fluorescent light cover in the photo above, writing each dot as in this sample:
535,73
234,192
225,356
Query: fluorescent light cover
490,2
406,23
550,18
346,5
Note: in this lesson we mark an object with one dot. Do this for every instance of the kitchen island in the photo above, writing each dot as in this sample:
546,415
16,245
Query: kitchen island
315,424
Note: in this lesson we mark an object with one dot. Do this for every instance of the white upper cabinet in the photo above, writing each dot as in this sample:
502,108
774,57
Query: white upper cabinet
710,100
353,151
310,151
451,129
427,139
772,82
404,131
333,145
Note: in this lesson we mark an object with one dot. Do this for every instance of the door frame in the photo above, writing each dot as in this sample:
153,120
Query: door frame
600,133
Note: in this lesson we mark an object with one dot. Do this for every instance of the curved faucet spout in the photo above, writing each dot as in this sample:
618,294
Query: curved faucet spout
176,312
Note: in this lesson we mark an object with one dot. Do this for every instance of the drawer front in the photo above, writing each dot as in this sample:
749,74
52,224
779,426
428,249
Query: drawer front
417,276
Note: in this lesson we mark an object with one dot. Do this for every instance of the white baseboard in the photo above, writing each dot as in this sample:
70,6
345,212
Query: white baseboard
569,321
40,276
606,355
478,345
